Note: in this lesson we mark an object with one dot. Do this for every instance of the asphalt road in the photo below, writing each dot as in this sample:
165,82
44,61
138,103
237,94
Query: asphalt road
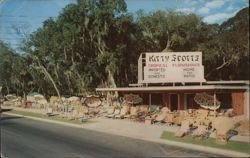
26,138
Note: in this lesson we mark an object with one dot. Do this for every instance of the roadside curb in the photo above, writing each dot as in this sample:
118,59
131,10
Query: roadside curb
13,114
159,140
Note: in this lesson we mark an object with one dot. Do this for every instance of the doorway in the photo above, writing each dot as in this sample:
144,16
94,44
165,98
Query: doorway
173,102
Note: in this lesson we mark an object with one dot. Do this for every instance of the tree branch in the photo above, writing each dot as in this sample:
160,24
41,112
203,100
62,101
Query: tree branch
46,73
225,63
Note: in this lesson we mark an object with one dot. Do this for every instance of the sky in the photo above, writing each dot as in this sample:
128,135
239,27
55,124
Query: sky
30,14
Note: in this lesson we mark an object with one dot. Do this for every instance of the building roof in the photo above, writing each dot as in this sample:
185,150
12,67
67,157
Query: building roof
208,85
228,82
174,88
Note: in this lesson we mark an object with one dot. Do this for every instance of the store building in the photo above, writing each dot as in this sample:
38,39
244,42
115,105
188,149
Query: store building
173,80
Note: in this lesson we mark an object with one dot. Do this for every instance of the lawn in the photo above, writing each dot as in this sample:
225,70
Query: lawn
43,116
210,142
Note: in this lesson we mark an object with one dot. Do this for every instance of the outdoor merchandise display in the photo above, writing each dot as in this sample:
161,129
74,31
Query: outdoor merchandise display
199,122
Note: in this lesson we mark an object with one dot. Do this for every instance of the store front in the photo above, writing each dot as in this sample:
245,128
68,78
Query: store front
182,97
173,79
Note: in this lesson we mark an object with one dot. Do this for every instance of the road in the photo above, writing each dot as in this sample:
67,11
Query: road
26,138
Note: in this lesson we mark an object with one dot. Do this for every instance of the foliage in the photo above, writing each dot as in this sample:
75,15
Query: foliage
96,43
228,50
14,76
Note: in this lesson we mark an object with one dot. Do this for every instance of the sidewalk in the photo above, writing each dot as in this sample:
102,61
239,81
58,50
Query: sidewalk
129,128
153,133
147,132
141,130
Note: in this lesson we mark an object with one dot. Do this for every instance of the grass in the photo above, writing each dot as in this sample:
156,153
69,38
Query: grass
43,116
210,142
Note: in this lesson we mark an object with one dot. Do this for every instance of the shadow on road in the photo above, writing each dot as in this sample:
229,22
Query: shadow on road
5,110
3,118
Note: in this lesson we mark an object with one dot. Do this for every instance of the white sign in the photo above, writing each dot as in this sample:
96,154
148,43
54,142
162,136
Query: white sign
174,67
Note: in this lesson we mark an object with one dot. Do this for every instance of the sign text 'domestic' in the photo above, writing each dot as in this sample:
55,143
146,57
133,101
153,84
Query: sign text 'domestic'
174,67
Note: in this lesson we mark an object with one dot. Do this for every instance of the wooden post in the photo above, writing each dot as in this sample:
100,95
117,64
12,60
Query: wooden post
214,103
149,99
165,100
178,101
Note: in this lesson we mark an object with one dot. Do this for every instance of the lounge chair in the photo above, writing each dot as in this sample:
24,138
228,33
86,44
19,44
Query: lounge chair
49,112
110,111
178,119
169,119
201,131
161,116
73,115
133,113
200,117
222,125
202,112
123,113
184,129
142,113
153,109
116,112
229,113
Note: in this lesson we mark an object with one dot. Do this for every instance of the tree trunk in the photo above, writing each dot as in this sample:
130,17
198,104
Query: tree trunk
126,76
46,73
167,49
24,95
65,54
7,87
52,81
111,81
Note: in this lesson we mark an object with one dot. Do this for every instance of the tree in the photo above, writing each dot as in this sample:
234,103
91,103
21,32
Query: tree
96,43
13,71
229,49
170,31
77,44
